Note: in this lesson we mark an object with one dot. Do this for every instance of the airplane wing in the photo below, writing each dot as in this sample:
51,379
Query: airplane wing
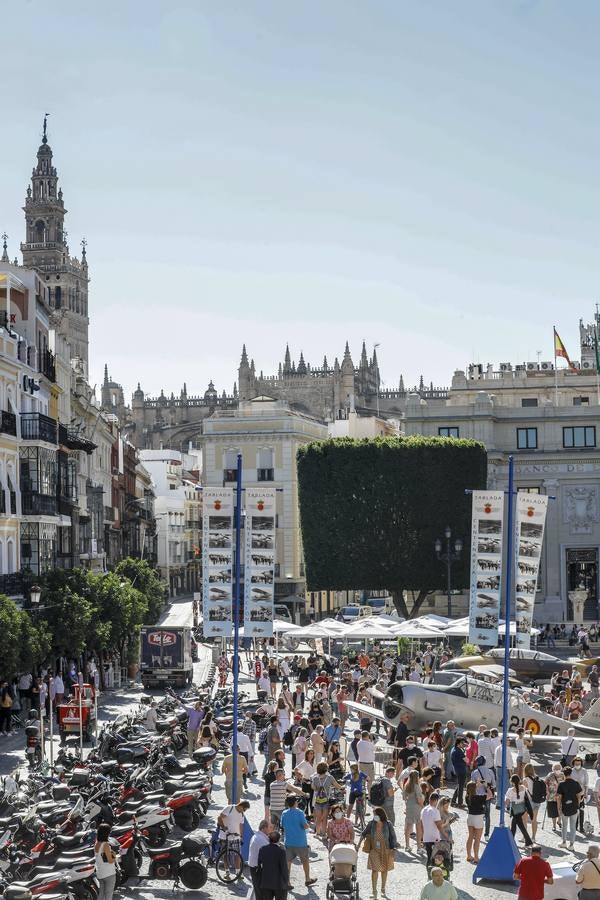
368,711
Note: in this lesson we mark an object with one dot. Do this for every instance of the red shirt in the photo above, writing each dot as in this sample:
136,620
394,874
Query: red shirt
532,870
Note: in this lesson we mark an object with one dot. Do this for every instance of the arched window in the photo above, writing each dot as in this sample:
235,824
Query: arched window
40,231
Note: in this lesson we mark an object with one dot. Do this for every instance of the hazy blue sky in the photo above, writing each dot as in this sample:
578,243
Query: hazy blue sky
421,174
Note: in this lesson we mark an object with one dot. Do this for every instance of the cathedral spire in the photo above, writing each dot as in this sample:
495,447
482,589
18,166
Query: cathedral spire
45,135
287,362
105,373
364,362
244,361
4,248
301,370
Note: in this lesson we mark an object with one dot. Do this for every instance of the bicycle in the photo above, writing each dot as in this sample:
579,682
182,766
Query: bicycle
359,812
229,865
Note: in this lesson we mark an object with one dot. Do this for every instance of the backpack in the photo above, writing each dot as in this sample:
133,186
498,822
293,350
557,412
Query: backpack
377,793
321,795
538,791
262,741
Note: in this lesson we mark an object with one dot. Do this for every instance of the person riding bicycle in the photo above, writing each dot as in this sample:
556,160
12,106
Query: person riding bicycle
357,781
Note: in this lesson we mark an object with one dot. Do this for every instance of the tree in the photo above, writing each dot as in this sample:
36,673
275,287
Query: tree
371,510
69,610
143,577
22,643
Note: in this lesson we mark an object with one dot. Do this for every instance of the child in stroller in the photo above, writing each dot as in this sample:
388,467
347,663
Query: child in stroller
342,872
442,858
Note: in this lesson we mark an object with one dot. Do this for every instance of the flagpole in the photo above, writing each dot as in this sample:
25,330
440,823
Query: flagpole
555,370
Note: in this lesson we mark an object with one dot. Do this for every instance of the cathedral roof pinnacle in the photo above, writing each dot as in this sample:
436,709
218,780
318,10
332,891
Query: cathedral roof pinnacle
347,351
364,362
287,362
401,385
4,248
45,135
244,361
301,370
105,373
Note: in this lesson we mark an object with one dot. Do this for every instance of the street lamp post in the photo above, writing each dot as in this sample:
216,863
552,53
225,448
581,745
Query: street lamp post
450,555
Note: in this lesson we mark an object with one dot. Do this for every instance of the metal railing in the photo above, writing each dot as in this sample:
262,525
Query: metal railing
38,504
35,426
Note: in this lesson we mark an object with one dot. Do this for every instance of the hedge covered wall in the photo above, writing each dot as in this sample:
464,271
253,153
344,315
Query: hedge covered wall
370,510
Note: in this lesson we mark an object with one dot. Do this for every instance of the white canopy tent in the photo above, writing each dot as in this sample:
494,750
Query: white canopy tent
416,630
371,628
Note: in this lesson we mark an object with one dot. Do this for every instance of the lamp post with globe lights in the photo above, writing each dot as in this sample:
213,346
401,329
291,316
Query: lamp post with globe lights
449,556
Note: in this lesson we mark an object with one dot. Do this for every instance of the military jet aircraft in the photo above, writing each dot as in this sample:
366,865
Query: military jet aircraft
470,702
528,665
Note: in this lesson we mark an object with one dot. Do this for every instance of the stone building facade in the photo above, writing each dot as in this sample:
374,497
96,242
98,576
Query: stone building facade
548,420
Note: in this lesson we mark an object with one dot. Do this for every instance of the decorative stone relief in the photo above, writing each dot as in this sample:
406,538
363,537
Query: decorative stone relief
581,508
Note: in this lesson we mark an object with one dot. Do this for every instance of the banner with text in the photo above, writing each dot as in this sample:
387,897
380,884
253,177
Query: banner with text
487,528
259,573
530,519
217,560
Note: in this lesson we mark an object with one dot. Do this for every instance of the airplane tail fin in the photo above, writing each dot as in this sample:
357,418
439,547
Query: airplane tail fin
592,716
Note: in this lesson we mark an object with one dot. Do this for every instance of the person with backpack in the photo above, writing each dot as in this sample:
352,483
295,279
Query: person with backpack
323,785
382,793
518,803
485,780
568,799
536,788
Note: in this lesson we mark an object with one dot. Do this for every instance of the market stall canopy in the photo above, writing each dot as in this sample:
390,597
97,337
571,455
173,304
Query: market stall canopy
367,628
460,628
416,629
318,630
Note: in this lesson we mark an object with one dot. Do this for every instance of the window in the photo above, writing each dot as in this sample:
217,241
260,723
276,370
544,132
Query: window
580,436
528,490
529,401
230,465
264,464
527,439
581,401
447,431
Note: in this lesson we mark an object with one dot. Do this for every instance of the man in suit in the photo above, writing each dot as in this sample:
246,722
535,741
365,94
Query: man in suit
273,870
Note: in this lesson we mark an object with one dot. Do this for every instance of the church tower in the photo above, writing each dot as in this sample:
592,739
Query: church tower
46,250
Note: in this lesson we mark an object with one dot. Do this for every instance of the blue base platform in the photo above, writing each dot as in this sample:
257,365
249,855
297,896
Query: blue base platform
499,857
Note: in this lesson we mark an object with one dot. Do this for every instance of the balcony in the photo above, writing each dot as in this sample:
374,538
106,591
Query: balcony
47,365
69,436
38,504
8,423
109,514
36,426
13,585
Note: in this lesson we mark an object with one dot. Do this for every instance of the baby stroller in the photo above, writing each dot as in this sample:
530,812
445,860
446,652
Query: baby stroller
441,856
342,872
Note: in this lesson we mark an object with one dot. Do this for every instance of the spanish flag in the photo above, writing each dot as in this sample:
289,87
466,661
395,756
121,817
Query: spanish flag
561,350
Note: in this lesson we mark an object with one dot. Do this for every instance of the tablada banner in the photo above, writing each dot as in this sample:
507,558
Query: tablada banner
260,561
487,527
217,559
529,522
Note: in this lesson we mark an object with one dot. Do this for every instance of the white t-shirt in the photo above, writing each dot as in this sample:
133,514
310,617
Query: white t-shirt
522,750
486,749
264,684
232,819
569,746
306,769
429,816
365,750
510,763
244,745
432,758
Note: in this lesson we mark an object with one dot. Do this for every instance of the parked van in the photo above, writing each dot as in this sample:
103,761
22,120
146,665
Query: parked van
354,613
381,605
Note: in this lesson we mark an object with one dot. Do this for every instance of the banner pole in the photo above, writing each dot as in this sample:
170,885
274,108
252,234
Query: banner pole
236,628
555,369
507,618
51,696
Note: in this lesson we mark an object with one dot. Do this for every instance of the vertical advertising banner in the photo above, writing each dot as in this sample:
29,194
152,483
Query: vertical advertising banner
217,561
487,526
530,519
259,572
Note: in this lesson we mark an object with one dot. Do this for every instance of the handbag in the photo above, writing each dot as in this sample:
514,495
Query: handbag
368,844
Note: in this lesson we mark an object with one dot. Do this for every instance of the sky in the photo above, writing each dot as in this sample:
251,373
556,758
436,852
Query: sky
419,175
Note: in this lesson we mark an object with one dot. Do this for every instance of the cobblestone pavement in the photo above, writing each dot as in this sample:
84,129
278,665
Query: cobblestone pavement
409,874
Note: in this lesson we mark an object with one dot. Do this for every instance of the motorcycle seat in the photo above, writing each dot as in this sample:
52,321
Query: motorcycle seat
168,848
119,830
68,862
79,851
172,787
65,840
52,806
